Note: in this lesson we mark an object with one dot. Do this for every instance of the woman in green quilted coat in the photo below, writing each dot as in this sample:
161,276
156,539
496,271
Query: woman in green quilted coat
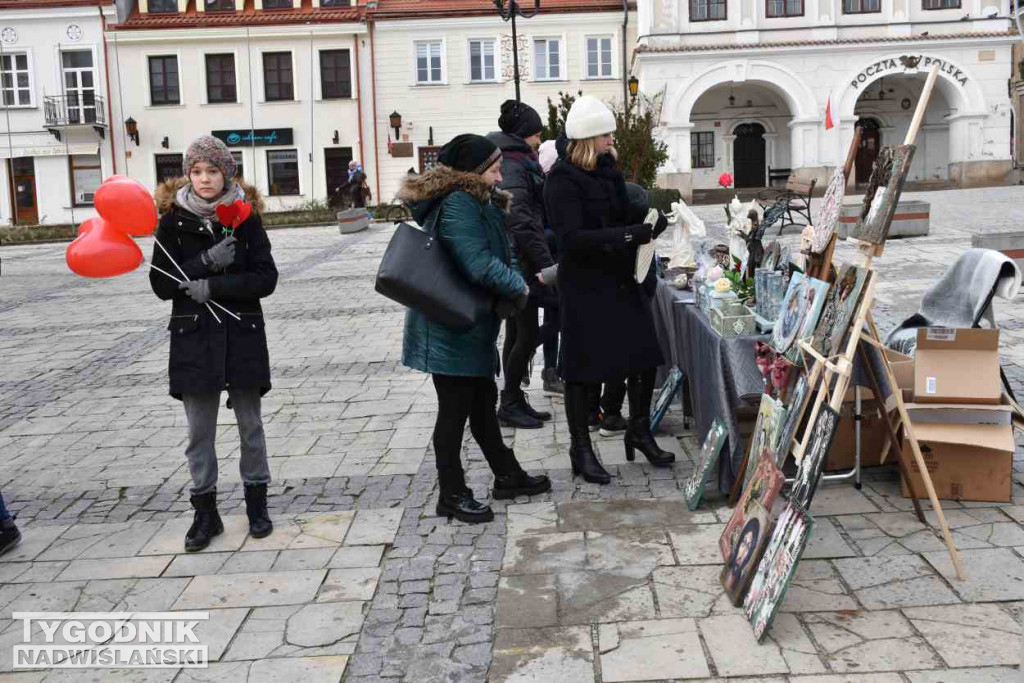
458,198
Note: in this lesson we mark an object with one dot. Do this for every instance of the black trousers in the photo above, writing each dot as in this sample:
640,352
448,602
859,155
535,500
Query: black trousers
474,399
524,343
610,401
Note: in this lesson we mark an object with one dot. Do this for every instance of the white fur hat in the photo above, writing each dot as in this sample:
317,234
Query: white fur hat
548,155
588,118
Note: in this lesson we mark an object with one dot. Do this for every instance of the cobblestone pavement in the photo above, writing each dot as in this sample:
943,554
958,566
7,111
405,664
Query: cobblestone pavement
360,582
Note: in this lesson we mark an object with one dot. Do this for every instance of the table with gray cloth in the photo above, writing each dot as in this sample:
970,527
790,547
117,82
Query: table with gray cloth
718,370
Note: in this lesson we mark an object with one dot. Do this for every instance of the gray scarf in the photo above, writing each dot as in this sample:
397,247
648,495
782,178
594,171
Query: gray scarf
190,201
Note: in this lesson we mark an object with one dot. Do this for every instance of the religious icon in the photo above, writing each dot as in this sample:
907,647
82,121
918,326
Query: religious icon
798,315
746,553
776,569
839,310
883,194
709,454
762,490
813,462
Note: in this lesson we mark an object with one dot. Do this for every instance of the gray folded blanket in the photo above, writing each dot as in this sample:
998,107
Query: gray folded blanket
960,297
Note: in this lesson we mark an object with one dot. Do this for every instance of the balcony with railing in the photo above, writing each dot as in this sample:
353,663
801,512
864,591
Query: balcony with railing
75,109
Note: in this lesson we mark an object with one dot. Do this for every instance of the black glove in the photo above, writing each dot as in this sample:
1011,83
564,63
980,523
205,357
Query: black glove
198,290
638,234
660,225
221,255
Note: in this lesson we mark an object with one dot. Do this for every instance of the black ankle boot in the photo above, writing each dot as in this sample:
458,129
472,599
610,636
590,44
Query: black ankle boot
581,451
205,524
464,507
260,525
9,535
541,415
638,433
513,412
520,484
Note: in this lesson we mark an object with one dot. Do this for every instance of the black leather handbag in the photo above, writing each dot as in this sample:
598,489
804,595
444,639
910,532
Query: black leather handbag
419,273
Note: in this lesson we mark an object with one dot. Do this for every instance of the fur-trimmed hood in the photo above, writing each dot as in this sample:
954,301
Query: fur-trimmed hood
421,191
168,190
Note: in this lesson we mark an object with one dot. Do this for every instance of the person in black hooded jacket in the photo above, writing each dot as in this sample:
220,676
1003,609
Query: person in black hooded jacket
518,141
231,264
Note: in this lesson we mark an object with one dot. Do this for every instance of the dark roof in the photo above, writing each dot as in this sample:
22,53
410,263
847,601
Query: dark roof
248,16
706,47
52,4
419,9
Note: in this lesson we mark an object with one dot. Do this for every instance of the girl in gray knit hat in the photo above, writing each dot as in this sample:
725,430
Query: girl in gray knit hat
210,226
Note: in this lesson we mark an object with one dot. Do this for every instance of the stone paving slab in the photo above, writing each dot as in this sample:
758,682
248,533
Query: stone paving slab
92,452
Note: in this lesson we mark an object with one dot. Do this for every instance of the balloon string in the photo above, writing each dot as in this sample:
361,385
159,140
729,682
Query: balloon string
178,280
180,270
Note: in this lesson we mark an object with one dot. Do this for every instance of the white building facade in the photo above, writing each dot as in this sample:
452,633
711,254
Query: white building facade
446,68
280,81
748,84
55,144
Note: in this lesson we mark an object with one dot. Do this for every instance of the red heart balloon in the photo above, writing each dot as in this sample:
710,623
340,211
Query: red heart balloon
127,205
233,215
87,225
102,251
226,214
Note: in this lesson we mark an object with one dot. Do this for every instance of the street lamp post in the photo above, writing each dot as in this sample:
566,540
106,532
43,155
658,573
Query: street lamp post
510,13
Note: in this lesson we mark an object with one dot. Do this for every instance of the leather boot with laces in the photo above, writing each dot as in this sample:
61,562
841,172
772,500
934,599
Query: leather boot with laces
260,525
206,522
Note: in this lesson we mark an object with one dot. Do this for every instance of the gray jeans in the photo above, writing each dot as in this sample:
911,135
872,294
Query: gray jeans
201,412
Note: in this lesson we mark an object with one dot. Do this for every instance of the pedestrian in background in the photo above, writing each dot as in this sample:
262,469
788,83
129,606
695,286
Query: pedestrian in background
459,200
607,325
234,266
549,331
518,140
9,534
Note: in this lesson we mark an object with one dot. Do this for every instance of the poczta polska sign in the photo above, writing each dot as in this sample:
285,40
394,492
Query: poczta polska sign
908,63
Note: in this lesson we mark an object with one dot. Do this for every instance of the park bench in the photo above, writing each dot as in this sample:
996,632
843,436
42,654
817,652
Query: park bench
780,205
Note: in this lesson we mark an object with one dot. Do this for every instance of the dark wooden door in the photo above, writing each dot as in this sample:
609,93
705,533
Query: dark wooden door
748,155
23,194
870,140
336,160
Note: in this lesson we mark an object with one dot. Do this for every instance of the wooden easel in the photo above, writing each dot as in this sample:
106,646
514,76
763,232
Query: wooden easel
836,372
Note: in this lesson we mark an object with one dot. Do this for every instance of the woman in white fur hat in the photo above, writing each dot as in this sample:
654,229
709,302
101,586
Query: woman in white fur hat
607,326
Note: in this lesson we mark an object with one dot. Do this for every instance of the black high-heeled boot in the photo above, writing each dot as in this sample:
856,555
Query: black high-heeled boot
638,434
581,451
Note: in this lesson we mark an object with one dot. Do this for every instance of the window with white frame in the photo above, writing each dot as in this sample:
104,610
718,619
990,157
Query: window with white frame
15,80
428,62
547,59
599,57
481,61
283,172
86,176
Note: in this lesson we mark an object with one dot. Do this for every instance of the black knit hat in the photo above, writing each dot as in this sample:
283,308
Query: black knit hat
469,153
519,119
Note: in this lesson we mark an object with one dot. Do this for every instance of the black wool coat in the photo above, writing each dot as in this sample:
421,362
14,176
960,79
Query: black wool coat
607,324
207,356
524,180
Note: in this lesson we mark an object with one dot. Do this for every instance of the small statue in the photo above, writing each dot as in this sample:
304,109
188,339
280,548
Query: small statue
686,226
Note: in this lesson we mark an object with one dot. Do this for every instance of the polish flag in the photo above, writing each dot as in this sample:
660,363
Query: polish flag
391,147
828,114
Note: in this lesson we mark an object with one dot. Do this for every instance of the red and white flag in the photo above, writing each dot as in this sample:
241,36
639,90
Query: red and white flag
828,115
391,147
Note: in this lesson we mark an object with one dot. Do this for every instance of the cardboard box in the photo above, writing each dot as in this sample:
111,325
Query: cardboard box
965,461
902,368
957,366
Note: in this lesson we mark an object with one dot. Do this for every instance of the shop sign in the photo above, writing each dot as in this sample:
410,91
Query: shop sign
907,63
260,137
